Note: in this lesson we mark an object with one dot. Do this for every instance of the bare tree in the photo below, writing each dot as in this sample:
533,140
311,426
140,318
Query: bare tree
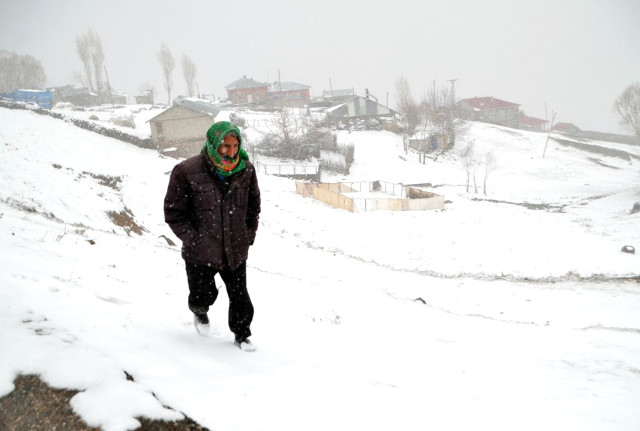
299,137
440,108
289,130
437,112
189,72
474,167
97,58
83,46
627,105
146,87
423,131
20,71
553,118
407,106
490,165
89,48
468,160
168,64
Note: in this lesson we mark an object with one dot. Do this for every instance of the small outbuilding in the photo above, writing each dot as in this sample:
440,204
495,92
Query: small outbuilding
565,127
288,94
42,98
145,98
338,96
490,110
358,107
77,96
180,130
532,124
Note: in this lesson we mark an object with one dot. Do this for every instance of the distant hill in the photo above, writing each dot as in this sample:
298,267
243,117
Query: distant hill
600,136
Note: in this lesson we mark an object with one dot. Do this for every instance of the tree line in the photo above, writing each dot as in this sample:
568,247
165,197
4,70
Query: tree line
434,111
20,72
26,72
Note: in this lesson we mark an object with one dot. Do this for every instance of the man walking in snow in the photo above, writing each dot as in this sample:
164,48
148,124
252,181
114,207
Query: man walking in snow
213,204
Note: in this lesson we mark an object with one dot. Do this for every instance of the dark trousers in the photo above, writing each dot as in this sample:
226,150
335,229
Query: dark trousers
203,293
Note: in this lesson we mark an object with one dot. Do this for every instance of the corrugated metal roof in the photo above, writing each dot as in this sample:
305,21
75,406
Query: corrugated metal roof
338,93
245,82
287,86
487,103
531,121
197,105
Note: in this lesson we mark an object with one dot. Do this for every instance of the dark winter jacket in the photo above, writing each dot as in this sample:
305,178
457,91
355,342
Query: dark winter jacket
216,219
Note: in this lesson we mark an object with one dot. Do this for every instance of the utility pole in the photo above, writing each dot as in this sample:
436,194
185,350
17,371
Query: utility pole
553,117
433,95
108,86
280,88
453,91
452,101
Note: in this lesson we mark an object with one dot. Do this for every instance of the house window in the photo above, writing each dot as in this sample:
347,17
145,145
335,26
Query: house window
159,128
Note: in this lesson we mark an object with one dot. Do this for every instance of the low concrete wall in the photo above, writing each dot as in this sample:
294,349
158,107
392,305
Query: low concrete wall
369,196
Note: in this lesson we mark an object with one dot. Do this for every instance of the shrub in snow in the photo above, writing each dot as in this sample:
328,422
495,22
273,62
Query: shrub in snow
124,121
628,249
64,105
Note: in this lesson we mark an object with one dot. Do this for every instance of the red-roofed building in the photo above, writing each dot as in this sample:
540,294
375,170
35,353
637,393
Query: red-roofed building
490,110
565,127
532,124
247,90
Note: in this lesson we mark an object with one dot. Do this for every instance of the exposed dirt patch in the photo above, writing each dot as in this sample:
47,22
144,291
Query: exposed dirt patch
104,180
554,208
35,406
126,220
29,208
596,149
528,205
601,163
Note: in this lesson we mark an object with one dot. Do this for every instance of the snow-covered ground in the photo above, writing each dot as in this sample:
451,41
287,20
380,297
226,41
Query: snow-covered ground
486,315
104,115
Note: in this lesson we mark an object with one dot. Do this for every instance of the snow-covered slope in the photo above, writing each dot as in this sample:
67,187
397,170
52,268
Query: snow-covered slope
363,321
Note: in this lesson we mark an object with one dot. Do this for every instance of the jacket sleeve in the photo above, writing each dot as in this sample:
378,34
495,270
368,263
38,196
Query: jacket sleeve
253,209
178,207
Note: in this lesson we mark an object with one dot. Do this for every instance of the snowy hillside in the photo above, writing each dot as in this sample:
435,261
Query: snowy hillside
515,310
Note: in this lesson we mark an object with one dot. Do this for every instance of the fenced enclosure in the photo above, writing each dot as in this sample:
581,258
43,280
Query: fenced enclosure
365,196
309,172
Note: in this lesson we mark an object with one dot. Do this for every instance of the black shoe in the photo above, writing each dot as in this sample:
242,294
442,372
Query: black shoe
245,344
201,322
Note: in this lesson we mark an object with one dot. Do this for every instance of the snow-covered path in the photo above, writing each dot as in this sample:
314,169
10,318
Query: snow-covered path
356,327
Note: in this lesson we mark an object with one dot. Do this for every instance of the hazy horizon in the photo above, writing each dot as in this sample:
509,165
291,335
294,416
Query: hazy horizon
575,56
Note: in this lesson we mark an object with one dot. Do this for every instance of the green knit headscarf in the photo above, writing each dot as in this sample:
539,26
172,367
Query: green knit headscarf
215,135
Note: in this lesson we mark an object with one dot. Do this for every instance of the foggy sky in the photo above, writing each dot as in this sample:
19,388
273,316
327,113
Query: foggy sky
575,55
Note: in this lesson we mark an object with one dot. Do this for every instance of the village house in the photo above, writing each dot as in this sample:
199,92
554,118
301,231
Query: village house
532,124
565,127
247,91
337,96
180,130
77,96
118,98
429,142
490,110
358,107
362,113
288,94
145,98
42,98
